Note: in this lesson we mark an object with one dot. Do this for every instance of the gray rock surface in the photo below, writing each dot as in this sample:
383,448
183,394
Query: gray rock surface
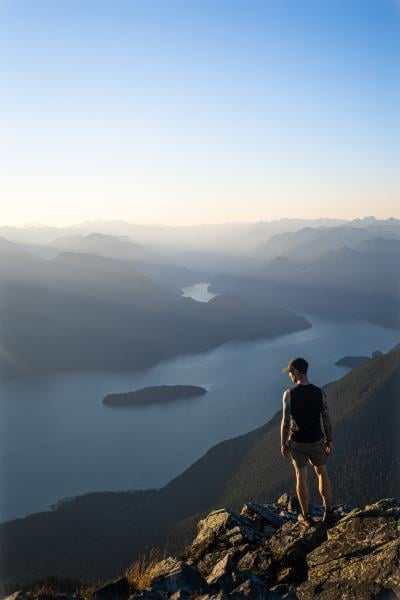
263,553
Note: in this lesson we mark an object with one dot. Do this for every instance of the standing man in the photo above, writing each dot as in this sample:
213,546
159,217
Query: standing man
302,437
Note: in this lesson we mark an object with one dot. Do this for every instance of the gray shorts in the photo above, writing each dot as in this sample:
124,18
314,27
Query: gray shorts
301,452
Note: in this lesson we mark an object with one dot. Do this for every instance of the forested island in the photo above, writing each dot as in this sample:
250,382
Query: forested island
351,361
356,361
154,394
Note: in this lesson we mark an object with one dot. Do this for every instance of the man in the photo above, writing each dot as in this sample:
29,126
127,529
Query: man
302,437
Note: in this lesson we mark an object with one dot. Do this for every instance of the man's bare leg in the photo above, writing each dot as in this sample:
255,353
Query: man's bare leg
324,485
302,491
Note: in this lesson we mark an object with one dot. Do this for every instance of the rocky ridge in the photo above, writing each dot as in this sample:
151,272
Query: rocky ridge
263,553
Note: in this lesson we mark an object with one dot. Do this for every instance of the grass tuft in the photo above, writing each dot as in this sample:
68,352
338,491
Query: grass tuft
142,570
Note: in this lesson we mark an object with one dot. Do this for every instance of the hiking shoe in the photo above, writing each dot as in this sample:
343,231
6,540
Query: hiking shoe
330,517
306,520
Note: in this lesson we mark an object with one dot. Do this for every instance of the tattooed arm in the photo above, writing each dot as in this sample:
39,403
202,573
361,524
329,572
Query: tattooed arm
325,417
285,423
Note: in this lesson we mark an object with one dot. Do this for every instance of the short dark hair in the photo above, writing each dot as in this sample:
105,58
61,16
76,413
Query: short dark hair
300,364
304,370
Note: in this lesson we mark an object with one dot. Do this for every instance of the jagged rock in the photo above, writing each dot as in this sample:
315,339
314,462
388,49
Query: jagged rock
234,536
67,597
28,595
224,575
173,575
342,509
289,547
247,562
357,591
221,595
222,529
116,590
262,514
226,582
384,507
221,568
208,530
252,587
181,595
147,595
289,503
290,507
258,561
209,560
286,592
263,553
250,533
366,541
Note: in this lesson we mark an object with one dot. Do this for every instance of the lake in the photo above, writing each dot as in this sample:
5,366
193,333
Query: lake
198,291
59,440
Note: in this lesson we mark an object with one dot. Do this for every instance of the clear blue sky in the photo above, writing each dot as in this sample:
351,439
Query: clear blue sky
189,111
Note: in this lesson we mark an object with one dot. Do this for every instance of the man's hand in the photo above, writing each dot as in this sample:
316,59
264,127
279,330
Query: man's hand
285,450
328,447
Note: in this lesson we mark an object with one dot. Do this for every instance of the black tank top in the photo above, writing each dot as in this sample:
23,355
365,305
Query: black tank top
306,406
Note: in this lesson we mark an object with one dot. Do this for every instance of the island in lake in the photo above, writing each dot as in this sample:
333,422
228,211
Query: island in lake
355,361
351,361
154,394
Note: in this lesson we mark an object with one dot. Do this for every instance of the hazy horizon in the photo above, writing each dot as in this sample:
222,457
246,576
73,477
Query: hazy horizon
27,225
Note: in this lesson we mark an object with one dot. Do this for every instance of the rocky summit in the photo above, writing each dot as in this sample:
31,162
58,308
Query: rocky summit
264,553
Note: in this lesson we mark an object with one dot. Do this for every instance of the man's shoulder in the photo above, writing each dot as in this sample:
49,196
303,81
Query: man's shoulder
286,395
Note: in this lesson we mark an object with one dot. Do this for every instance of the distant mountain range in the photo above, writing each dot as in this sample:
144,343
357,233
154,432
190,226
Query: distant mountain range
156,265
361,282
98,535
310,243
176,256
223,247
85,311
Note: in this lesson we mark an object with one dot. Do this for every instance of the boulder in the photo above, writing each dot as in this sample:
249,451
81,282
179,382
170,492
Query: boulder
362,552
252,588
147,595
173,575
290,546
223,575
263,514
115,590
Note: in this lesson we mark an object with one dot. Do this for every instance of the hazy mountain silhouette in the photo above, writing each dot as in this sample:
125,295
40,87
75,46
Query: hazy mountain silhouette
84,311
361,282
232,237
310,243
155,265
202,251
